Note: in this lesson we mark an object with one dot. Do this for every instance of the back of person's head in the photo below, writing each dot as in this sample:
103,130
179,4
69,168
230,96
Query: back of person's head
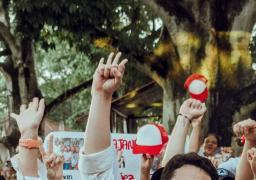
191,159
157,174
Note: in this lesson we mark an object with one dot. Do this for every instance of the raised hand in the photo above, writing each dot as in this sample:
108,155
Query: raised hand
108,77
29,118
53,162
246,128
251,157
192,109
146,163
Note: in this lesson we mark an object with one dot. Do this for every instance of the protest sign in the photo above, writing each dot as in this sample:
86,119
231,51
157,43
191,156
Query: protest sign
69,144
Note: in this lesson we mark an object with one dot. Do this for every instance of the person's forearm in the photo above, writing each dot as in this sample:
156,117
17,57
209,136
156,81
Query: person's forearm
145,175
194,141
27,158
177,140
98,125
243,171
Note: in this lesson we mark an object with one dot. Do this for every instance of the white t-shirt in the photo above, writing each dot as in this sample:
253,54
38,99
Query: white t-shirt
67,157
98,166
42,171
230,164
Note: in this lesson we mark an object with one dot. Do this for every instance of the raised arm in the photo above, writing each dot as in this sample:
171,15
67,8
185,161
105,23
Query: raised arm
145,166
251,156
248,128
28,122
106,80
194,140
189,110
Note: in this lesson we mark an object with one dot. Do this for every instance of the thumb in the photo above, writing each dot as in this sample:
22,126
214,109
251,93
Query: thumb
41,149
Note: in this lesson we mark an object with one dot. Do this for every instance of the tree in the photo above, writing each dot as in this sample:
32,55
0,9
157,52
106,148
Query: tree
23,23
210,37
167,40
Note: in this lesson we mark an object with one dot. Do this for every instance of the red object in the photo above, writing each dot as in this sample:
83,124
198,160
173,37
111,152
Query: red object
202,96
242,139
150,139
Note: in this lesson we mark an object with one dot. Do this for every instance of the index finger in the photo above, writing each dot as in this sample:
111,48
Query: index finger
41,148
101,63
50,144
41,107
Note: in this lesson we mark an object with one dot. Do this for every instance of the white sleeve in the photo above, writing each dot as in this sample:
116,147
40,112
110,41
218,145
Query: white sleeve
100,165
230,165
42,172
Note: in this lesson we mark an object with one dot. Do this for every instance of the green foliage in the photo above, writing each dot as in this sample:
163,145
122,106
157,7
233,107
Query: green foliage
80,22
65,32
60,69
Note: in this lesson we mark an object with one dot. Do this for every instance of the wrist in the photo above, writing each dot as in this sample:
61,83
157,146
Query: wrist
102,95
183,123
145,172
29,134
185,117
196,125
250,143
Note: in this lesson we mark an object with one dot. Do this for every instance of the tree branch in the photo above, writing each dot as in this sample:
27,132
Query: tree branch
246,19
6,36
9,41
169,21
146,70
66,95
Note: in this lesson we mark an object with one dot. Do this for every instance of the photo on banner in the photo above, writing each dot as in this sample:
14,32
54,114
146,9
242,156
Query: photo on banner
69,144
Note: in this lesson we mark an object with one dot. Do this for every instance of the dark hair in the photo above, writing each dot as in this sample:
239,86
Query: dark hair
189,159
216,136
157,174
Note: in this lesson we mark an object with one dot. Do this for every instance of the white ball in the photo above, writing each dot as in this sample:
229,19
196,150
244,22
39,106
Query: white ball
197,87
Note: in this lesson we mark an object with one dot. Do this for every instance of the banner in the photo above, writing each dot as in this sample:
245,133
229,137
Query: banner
69,144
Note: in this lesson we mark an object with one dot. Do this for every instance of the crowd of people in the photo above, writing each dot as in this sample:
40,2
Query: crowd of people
97,157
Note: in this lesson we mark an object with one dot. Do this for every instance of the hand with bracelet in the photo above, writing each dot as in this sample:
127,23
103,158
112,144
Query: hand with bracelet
193,110
190,111
28,121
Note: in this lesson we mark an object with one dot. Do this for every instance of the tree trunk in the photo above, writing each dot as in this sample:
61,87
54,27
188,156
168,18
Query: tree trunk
168,106
21,83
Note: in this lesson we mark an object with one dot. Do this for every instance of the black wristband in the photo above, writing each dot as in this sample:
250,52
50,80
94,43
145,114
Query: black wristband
184,117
